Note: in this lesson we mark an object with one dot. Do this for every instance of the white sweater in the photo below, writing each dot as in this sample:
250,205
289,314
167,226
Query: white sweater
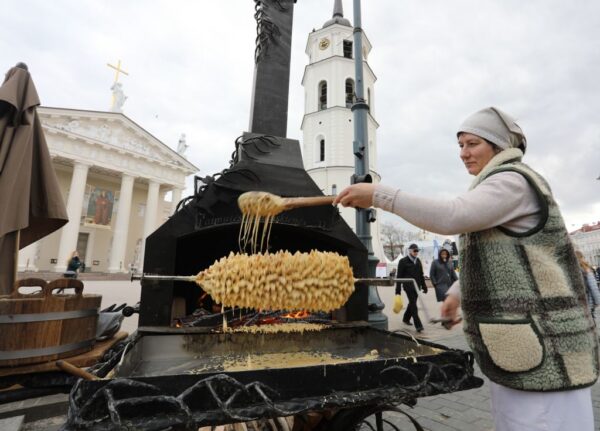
505,199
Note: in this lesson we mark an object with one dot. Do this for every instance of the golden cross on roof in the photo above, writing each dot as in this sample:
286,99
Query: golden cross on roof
118,70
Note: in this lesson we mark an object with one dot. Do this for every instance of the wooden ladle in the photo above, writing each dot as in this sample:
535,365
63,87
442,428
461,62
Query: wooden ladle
265,204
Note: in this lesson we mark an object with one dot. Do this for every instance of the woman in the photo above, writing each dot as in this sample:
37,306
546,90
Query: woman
523,298
73,265
442,274
591,287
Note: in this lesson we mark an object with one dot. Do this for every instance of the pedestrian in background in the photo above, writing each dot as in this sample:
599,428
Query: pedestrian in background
73,265
410,267
521,290
591,286
442,274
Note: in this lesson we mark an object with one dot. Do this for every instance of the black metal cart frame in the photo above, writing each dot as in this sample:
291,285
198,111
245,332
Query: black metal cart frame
144,398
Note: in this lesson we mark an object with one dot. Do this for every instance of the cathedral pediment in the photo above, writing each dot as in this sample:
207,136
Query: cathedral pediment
111,131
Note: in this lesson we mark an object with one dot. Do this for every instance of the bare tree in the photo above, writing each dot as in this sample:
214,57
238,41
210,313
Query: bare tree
392,239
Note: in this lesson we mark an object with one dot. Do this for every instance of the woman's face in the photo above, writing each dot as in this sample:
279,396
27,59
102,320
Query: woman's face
475,152
444,255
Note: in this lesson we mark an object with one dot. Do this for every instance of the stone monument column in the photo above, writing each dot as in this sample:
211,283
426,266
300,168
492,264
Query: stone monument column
269,105
28,257
151,212
119,242
70,231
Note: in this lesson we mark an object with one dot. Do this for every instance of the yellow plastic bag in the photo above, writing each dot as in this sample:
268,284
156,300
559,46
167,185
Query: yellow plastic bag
398,304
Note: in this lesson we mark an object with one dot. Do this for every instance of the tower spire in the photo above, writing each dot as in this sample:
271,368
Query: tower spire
338,15
338,9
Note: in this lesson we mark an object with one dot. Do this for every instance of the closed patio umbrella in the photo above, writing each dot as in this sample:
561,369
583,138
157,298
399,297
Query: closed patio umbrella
31,204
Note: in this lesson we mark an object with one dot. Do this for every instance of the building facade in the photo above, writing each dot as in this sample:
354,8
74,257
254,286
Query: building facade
119,184
327,128
587,240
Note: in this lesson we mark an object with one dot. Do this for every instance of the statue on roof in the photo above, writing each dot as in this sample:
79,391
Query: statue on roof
119,97
182,146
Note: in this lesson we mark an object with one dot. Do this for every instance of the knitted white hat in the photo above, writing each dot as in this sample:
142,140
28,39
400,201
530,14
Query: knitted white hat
495,126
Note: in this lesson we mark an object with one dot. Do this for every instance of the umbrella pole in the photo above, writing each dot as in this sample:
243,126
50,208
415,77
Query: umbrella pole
9,253
16,262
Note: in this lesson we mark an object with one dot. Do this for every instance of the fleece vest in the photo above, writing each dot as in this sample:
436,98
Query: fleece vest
523,298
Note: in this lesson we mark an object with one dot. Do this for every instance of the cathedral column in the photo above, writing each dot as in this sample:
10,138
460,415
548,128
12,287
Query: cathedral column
176,197
119,242
70,231
151,212
28,257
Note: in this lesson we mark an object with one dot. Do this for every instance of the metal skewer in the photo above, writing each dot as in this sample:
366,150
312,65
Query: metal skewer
142,277
384,281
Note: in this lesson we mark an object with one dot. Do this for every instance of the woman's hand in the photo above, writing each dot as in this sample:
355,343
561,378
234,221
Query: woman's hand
356,196
450,311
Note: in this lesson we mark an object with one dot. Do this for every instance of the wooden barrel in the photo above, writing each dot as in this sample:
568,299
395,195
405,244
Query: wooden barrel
46,326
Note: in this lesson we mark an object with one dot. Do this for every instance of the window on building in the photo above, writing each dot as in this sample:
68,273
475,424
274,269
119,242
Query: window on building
369,97
322,95
348,48
322,150
334,190
349,92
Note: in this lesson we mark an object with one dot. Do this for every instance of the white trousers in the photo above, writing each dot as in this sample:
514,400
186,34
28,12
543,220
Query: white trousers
541,411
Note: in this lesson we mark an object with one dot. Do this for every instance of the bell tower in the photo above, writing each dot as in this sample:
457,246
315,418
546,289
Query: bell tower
327,127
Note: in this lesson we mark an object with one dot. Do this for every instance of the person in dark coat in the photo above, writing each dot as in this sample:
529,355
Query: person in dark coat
442,274
73,266
410,267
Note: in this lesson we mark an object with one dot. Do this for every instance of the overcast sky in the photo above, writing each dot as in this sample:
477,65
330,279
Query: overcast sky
190,67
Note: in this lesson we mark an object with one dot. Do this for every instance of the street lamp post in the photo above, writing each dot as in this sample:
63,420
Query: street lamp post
360,108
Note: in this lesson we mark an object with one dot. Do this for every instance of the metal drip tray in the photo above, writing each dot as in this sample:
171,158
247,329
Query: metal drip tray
206,353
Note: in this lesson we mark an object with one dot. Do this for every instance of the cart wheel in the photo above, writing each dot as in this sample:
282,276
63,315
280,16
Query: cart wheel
368,418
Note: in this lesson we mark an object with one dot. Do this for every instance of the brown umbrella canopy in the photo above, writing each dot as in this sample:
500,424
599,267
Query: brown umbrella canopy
31,201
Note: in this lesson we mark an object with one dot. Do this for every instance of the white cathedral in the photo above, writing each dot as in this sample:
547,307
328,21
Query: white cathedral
327,126
115,177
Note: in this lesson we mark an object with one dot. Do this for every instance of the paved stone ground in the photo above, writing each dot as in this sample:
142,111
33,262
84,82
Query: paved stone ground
463,411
